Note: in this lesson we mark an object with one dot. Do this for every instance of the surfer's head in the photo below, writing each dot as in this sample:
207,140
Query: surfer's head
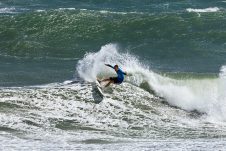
116,67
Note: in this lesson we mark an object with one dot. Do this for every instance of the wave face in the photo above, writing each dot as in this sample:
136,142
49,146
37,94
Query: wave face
190,40
173,99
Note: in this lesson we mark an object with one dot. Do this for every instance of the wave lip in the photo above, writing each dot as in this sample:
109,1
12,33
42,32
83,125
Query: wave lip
205,10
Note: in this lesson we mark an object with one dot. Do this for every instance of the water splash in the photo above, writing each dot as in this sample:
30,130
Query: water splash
204,95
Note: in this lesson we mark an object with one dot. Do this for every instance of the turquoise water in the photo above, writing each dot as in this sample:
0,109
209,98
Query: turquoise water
174,51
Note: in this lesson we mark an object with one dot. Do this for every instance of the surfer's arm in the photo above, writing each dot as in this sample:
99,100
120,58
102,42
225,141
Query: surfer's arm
125,73
109,66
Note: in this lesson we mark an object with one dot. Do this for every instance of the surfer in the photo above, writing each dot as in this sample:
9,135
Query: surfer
116,80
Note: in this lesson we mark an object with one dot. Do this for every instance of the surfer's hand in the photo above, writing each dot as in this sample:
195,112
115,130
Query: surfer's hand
108,65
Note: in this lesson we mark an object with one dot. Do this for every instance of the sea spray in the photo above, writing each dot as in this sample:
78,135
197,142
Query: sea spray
93,64
203,95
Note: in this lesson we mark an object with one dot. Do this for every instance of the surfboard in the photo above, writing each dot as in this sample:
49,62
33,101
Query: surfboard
99,88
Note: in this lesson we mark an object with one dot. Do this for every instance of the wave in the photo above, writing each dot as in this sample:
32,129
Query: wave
101,11
13,10
205,95
7,10
205,10
70,32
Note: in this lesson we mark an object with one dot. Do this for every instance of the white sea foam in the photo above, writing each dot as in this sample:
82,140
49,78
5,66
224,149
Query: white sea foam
205,10
7,10
40,10
93,63
204,95
98,11
12,10
120,12
67,8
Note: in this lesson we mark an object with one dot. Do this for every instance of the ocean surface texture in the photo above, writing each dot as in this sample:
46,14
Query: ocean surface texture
51,52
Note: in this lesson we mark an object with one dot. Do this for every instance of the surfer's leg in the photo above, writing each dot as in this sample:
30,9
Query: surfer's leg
104,80
111,80
109,83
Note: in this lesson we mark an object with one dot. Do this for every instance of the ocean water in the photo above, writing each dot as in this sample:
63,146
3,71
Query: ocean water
52,51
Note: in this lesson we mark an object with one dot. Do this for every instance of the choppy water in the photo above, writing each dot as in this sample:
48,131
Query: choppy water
174,98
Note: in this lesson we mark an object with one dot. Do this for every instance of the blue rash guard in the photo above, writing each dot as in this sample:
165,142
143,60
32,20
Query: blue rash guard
120,76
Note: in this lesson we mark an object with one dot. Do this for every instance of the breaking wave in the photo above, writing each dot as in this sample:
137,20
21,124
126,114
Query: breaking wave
205,10
206,95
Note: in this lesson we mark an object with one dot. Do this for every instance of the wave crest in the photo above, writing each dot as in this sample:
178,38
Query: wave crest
205,10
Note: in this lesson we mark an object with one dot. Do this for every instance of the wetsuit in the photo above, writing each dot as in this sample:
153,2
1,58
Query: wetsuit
119,79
